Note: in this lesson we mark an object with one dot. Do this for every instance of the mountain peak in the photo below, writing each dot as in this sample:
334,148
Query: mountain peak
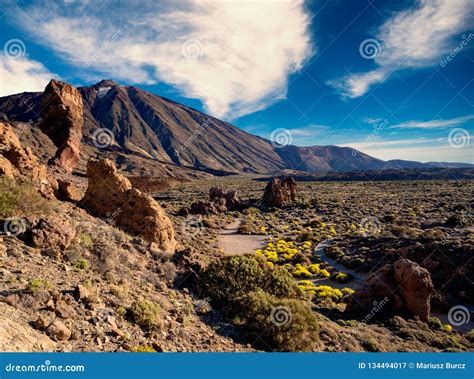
105,83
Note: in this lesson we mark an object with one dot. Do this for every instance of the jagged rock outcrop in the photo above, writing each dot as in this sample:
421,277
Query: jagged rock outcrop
109,194
219,202
19,162
403,288
280,192
62,121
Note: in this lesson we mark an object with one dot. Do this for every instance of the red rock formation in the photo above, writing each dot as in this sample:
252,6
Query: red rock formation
404,288
17,162
62,121
280,192
110,194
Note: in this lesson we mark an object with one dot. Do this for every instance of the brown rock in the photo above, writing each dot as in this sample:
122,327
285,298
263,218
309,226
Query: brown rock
6,168
52,232
279,193
403,288
415,287
67,191
58,331
110,194
15,161
219,202
81,292
40,323
62,115
63,311
11,299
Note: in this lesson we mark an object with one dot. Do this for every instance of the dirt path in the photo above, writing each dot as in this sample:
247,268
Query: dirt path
320,250
232,242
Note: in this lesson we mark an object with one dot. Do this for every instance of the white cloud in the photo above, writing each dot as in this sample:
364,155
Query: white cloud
357,84
433,124
22,75
234,56
380,143
412,38
309,131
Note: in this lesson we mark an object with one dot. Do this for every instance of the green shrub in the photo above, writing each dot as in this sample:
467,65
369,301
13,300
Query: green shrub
20,199
435,323
230,277
34,285
82,264
341,277
278,324
146,314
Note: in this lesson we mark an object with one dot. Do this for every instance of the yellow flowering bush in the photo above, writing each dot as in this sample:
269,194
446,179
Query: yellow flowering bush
301,270
307,286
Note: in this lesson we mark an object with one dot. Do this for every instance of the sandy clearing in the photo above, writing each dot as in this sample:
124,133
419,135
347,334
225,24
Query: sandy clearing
232,242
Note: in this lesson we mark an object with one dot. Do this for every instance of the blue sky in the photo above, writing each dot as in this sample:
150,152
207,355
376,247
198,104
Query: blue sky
393,79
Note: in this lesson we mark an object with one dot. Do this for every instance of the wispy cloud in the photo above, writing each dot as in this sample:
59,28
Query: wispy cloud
412,38
309,131
433,124
22,75
417,149
401,142
234,56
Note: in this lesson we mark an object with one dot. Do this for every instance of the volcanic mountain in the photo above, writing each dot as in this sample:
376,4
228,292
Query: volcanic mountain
149,131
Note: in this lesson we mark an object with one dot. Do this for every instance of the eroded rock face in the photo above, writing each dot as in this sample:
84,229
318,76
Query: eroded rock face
16,161
280,192
403,288
109,194
62,115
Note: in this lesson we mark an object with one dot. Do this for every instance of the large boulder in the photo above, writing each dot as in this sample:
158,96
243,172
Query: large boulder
52,232
62,122
280,192
110,194
19,162
403,288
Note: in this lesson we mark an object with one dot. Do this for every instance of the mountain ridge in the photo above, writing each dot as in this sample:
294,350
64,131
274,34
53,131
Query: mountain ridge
159,129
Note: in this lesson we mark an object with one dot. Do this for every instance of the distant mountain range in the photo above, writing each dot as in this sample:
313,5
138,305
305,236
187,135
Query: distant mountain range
149,130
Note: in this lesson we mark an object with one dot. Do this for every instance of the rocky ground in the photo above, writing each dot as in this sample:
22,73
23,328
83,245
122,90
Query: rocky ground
93,261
